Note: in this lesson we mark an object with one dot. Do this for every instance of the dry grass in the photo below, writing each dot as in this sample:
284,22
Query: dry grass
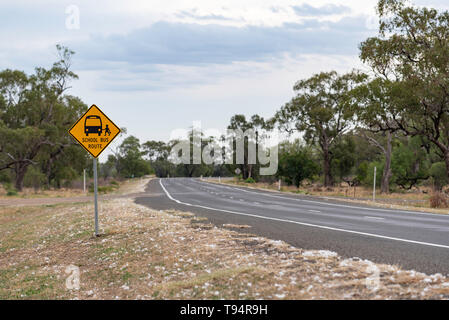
134,185
147,254
439,200
28,193
342,190
125,187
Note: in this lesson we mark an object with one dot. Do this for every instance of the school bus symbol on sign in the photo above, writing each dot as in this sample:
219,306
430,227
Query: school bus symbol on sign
94,131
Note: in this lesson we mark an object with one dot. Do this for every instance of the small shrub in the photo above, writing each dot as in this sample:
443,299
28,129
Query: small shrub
102,189
12,192
113,182
250,180
439,200
105,189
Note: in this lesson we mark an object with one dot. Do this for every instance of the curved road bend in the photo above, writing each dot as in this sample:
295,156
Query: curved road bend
409,239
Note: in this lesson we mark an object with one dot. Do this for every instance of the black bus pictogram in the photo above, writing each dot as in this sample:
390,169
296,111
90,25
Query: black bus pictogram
93,124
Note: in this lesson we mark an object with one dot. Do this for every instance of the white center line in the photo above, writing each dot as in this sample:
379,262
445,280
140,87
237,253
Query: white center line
374,218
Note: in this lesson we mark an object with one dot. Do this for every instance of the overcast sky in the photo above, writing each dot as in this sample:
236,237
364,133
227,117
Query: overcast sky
155,66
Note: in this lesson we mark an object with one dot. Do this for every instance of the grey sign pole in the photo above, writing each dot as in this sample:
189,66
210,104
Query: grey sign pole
84,180
96,197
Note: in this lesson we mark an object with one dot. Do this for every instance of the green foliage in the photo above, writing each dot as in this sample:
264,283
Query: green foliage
368,180
249,167
34,178
411,54
343,157
163,168
130,163
35,114
322,110
156,150
438,173
104,189
5,177
250,180
361,172
296,163
409,163
12,192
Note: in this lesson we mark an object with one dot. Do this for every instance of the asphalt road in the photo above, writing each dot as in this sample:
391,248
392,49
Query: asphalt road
412,240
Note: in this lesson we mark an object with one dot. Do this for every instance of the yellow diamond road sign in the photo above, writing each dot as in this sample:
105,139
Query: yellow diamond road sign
94,131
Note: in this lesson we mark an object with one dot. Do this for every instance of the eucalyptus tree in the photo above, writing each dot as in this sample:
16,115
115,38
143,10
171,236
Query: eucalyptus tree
412,52
372,103
255,129
323,110
35,114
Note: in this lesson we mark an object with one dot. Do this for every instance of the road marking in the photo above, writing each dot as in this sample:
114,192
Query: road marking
329,204
315,211
374,218
303,223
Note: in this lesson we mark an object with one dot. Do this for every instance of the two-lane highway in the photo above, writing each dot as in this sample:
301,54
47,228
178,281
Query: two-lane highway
410,239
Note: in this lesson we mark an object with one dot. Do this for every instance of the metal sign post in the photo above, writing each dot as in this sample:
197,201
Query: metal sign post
84,180
94,131
96,197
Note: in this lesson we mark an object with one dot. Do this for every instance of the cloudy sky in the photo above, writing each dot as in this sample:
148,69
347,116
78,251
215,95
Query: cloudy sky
155,66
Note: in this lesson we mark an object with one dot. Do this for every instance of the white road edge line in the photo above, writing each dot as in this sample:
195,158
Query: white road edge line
328,204
303,223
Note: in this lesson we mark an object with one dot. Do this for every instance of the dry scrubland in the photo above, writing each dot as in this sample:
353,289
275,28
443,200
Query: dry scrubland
147,254
122,188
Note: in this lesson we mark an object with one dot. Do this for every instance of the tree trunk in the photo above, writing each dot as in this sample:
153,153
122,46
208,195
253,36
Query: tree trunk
385,185
20,170
328,181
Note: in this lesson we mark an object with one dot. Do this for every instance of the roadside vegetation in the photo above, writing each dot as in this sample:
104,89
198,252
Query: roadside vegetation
148,254
110,186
